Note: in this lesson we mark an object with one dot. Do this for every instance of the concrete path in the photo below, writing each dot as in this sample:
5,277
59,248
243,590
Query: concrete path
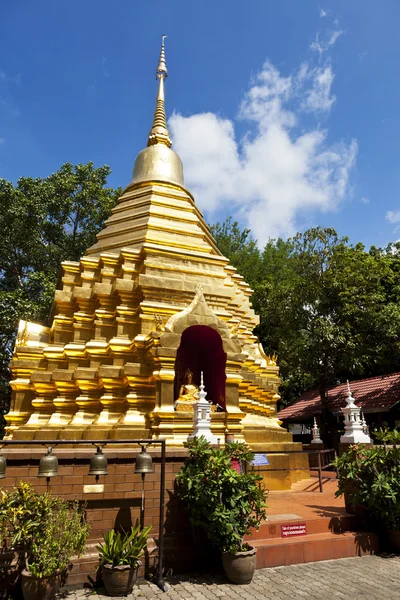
366,578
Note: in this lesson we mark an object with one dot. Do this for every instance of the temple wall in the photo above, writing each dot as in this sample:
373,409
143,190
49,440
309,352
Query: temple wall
119,505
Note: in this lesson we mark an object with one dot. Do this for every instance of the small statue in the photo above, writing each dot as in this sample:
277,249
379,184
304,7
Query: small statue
188,394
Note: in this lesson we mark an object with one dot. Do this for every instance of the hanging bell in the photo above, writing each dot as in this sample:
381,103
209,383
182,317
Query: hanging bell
144,462
98,463
48,466
3,463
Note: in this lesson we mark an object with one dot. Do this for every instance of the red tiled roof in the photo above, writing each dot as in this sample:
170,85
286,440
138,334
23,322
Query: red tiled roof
375,394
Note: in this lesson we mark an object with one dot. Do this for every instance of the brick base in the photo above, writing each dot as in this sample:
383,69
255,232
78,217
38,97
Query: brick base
118,505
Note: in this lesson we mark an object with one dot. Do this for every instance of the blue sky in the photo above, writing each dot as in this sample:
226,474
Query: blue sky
286,114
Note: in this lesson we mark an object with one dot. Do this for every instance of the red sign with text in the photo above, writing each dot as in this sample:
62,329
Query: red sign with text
295,529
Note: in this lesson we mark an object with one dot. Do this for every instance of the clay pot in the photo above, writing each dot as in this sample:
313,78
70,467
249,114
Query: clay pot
239,568
394,539
39,588
119,581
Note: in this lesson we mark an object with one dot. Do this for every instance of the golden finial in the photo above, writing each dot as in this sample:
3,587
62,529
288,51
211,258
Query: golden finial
159,133
162,70
272,360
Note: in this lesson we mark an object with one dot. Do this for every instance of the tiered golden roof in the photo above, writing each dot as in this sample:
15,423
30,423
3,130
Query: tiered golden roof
106,367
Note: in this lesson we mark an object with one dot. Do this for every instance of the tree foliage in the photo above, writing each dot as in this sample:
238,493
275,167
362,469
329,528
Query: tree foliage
43,222
329,309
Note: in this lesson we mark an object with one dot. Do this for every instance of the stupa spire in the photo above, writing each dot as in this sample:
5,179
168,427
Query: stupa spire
159,133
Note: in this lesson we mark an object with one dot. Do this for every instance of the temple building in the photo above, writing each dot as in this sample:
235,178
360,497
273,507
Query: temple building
151,305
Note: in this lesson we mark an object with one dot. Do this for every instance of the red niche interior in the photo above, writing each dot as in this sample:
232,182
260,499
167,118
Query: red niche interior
201,350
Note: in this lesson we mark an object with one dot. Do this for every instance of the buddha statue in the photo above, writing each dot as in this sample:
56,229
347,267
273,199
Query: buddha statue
188,394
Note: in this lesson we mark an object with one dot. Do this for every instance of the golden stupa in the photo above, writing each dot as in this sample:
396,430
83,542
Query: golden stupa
152,298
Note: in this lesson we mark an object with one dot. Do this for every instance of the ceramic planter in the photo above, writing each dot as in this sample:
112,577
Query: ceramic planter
119,581
239,568
40,588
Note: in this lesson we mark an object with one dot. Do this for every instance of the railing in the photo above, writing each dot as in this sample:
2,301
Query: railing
324,461
53,443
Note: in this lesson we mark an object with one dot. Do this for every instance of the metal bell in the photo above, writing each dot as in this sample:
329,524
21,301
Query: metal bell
144,462
98,463
48,466
3,463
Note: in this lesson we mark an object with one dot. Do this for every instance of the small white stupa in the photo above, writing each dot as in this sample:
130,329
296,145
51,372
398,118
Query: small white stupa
202,417
353,426
315,434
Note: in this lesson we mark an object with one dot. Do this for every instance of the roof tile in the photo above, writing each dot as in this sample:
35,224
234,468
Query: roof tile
371,394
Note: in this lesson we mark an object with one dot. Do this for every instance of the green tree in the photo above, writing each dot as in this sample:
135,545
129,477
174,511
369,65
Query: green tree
43,222
328,308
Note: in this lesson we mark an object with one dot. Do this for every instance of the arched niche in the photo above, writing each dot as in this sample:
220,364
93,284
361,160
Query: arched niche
201,350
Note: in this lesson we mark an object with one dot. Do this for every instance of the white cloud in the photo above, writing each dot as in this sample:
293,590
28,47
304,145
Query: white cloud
322,13
364,200
393,216
318,98
324,44
278,171
316,45
2,140
335,35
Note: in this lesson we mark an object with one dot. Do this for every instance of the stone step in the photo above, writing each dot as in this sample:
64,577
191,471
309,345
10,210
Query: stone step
272,528
313,547
303,484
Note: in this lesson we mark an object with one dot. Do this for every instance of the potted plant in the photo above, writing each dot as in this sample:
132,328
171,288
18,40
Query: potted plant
41,532
22,513
62,536
7,555
120,555
226,502
370,478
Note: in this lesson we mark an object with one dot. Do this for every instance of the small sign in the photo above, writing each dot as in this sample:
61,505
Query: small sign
94,488
295,529
259,460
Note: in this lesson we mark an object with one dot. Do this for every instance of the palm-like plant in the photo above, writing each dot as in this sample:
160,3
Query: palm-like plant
124,548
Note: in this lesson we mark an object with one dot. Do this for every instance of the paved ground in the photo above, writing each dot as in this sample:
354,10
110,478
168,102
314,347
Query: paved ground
366,578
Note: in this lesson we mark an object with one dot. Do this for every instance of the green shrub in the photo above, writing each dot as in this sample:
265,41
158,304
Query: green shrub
220,500
370,477
48,529
23,513
64,535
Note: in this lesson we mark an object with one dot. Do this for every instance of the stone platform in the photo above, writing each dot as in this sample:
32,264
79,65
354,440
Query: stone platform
324,529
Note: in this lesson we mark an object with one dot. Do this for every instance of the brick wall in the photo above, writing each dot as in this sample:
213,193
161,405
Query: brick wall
119,505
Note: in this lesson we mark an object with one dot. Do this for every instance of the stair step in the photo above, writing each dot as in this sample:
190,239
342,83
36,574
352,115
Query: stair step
271,529
274,552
